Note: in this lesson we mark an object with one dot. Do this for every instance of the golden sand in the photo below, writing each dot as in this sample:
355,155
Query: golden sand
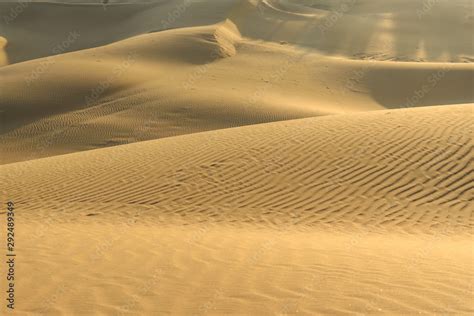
239,157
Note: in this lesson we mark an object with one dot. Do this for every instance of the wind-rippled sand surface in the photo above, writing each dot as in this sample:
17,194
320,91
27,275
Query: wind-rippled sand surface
239,157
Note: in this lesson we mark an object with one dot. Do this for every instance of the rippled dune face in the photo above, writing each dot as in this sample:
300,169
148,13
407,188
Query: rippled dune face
237,157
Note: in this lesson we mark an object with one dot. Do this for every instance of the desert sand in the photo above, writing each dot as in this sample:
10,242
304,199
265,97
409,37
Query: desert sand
238,157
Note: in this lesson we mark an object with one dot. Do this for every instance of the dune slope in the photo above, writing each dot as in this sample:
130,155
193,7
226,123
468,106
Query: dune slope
196,79
360,213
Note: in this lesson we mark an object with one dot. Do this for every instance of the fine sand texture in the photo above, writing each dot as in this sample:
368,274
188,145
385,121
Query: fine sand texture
238,157
366,213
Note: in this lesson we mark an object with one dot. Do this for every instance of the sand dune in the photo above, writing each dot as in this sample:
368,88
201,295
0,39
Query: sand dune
239,157
405,30
318,166
116,94
378,201
307,164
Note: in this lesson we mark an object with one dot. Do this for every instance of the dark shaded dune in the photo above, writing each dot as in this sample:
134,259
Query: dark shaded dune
395,85
67,30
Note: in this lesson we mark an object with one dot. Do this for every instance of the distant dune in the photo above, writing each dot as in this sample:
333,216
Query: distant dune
408,30
239,157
